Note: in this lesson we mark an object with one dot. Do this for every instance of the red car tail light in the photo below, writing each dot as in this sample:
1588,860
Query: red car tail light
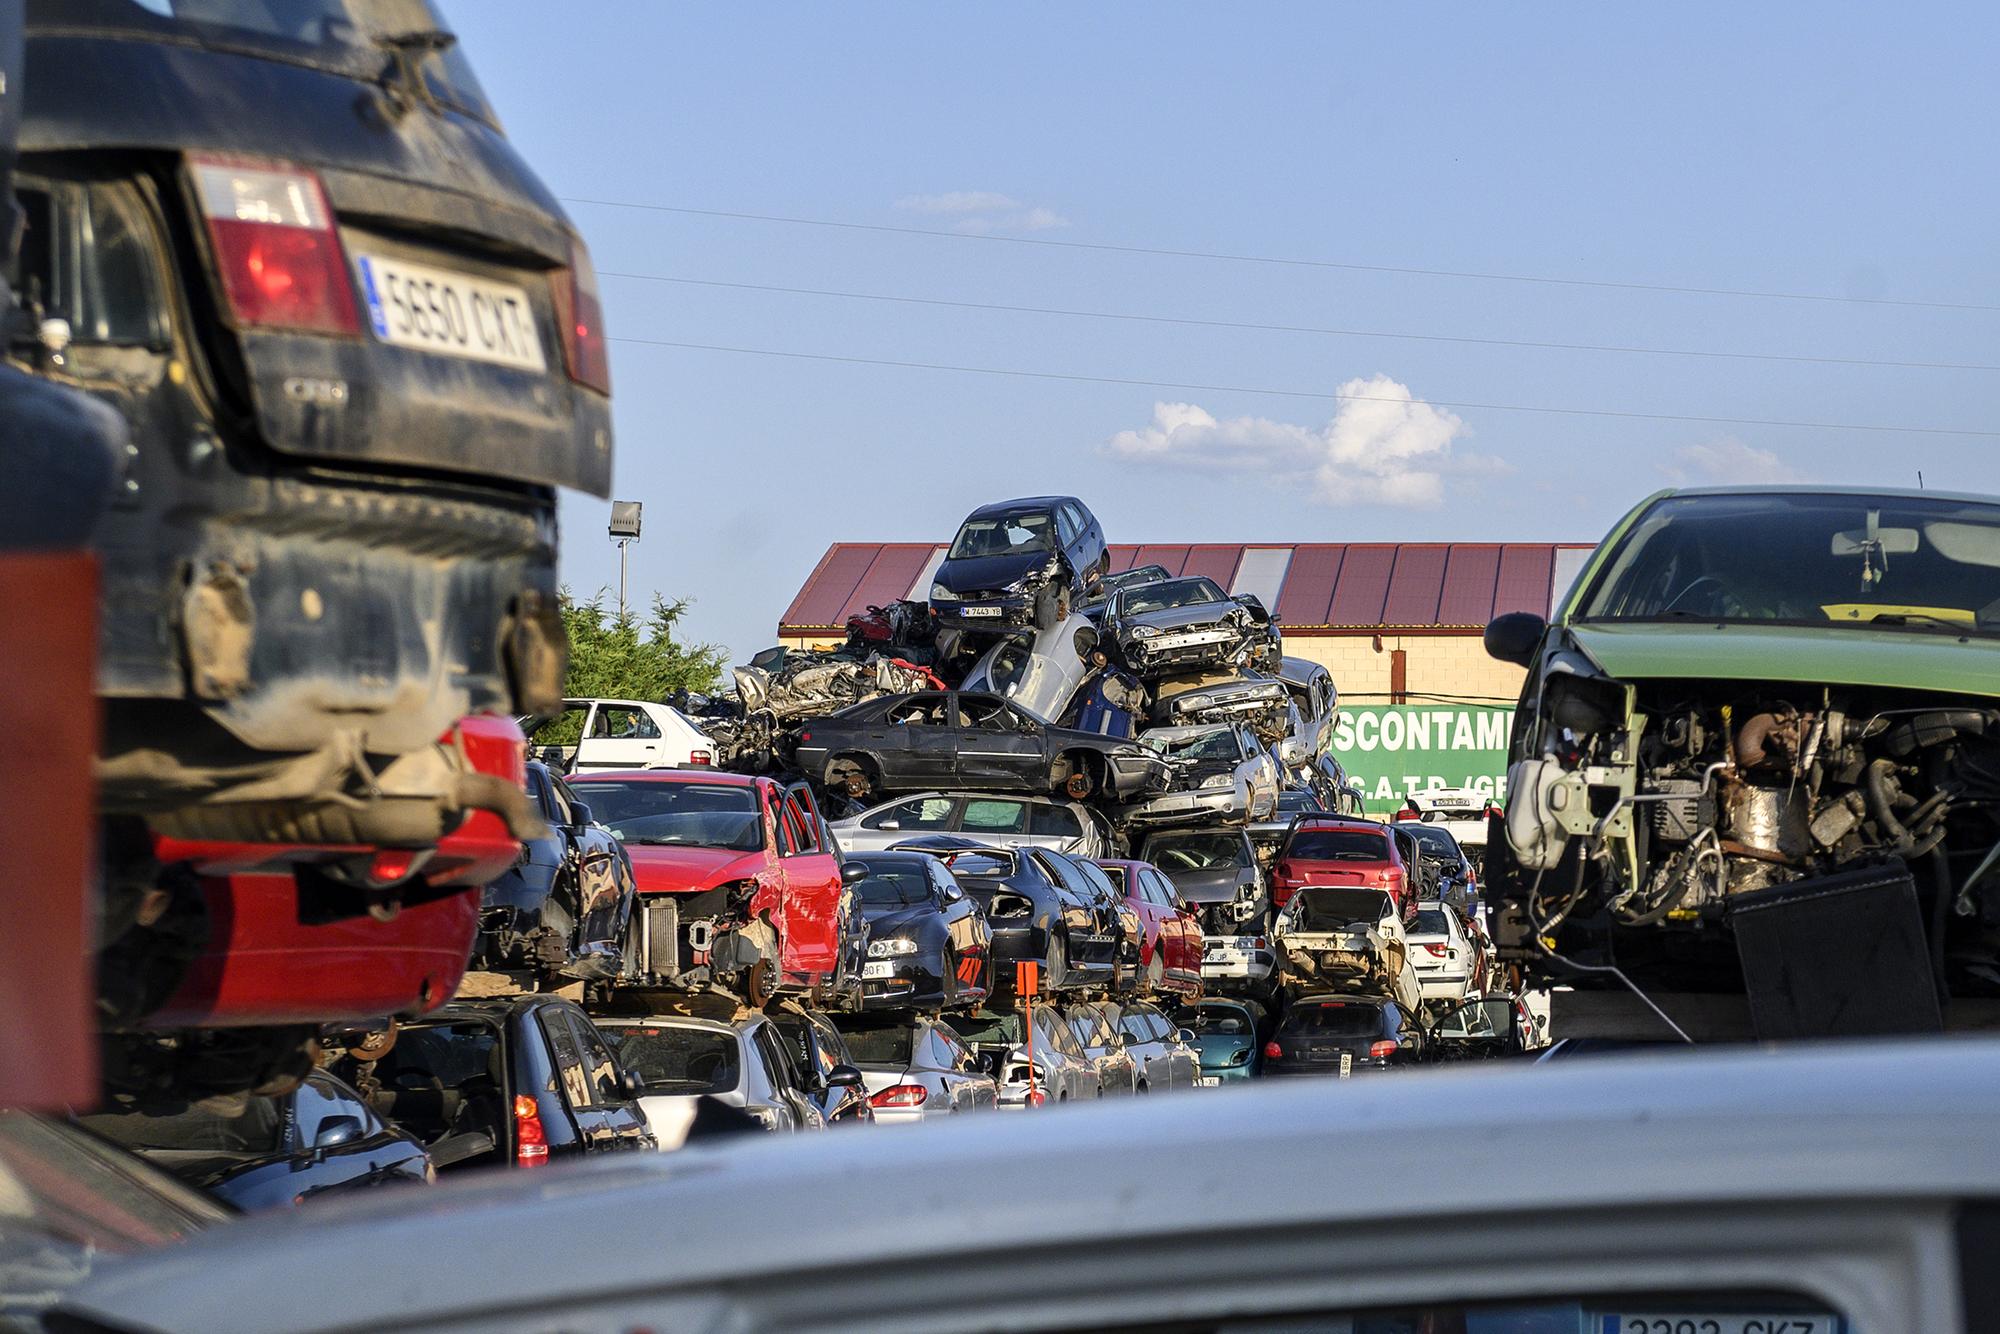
1272,1051
276,250
1407,814
900,1095
530,1140
1381,1051
582,319
1437,951
1036,1097
700,757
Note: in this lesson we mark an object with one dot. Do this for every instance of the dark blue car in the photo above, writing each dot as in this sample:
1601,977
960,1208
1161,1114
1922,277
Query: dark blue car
1020,562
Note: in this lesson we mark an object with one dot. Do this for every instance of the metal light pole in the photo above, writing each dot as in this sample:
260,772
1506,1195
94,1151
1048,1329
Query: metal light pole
624,531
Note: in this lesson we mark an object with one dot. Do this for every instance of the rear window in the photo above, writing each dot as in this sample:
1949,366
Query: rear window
1339,1019
1328,908
1222,1021
1431,922
887,1045
896,884
1338,845
677,1060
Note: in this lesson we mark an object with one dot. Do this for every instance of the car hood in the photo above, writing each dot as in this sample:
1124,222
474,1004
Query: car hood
1217,1048
1894,659
889,921
1175,618
1216,884
686,870
980,574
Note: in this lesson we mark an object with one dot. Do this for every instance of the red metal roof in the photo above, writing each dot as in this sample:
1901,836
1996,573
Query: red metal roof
1363,586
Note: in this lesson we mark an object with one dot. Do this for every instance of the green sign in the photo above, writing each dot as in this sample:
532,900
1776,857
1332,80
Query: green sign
1392,750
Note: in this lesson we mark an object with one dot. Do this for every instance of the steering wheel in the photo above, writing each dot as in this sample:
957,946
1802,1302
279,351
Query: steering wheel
1719,595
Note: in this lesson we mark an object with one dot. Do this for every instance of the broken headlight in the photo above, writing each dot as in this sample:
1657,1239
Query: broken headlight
939,593
1145,631
1217,780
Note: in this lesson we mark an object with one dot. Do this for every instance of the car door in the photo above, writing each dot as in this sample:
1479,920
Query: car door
624,1125
998,745
816,906
619,736
966,929
1053,824
1092,944
970,1090
889,825
788,1080
1002,821
601,872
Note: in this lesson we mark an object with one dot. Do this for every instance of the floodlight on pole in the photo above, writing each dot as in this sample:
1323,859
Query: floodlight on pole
624,530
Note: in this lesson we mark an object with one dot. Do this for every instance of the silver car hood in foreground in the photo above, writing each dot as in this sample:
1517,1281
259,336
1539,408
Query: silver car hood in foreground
1812,1170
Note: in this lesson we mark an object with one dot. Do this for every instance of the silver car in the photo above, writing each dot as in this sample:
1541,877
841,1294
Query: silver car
1317,702
1047,1068
1095,1028
1041,673
1162,1052
1221,774
1003,822
915,1068
680,1059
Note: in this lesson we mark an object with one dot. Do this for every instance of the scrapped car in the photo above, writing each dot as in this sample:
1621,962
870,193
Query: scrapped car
1162,1052
1040,672
1019,562
1035,1058
928,940
1095,1027
820,1051
971,742
1758,754
738,880
1185,625
1170,936
1005,822
1345,938
1457,883
564,908
741,1061
1343,1036
916,1068
1214,871
1226,1039
1032,914
1462,812
594,734
1330,785
359,351
1094,600
1259,702
1221,775
1317,703
514,1082
263,1151
1442,951
1340,850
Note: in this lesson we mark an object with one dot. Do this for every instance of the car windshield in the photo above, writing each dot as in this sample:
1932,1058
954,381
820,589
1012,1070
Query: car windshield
1194,852
1438,843
256,1127
676,1061
1868,562
1014,534
662,813
1221,1021
1330,907
1297,803
893,884
1170,593
1338,845
1220,743
1334,1019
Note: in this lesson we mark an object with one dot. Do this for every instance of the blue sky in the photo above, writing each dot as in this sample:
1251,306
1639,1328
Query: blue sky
1827,149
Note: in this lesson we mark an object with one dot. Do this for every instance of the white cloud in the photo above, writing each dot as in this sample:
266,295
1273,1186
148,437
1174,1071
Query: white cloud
1728,462
984,211
1384,446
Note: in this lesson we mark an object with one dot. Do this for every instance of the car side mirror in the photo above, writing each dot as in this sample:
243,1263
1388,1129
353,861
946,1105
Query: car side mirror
843,1077
335,1131
852,873
579,815
631,1085
1185,1036
890,824
1514,637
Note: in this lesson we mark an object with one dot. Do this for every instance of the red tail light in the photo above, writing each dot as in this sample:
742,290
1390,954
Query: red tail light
1379,1051
900,1095
276,250
1036,1097
1438,951
1407,814
700,757
582,318
531,1142
1272,1051
1259,943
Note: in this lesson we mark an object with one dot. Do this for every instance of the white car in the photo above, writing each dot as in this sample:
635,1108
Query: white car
1460,810
607,734
1346,938
1003,822
1041,673
1236,962
1444,956
682,1058
1818,1189
1222,774
915,1068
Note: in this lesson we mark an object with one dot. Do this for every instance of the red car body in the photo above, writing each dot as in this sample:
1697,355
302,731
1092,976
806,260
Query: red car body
1329,850
796,873
268,960
1168,928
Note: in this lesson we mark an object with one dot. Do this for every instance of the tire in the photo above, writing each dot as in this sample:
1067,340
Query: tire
1046,616
1156,970
1055,969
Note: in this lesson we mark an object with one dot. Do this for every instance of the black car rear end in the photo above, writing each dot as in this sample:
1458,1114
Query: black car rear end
358,347
1342,1036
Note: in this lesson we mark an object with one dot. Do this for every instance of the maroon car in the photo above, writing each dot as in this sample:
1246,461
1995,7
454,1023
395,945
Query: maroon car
1171,942
1343,850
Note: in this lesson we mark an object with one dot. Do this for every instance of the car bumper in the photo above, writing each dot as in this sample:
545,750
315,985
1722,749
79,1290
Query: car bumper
910,981
1192,648
1232,963
1221,803
1443,986
1223,1074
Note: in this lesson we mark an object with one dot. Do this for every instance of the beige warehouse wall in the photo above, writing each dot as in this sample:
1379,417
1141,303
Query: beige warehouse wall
1455,666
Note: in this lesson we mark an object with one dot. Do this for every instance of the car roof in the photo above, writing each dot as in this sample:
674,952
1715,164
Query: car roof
695,774
1908,1120
893,856
1024,503
1859,492
672,1021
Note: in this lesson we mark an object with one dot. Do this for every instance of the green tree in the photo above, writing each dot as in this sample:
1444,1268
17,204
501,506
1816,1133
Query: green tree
624,657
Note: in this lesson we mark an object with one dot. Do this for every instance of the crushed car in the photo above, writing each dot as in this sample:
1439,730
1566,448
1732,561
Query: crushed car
1261,703
1019,563
1041,672
1187,625
1221,775
1758,755
1341,938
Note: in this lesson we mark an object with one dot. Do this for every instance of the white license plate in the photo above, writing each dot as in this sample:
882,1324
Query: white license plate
1346,1064
454,314
1207,1081
980,611
1184,641
872,971
1720,1324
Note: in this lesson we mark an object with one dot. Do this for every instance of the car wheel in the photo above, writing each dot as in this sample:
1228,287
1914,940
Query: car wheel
1142,1090
760,983
1046,615
1055,970
852,775
1156,969
948,984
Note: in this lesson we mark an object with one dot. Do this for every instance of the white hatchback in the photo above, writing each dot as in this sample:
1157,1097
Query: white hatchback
1444,956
